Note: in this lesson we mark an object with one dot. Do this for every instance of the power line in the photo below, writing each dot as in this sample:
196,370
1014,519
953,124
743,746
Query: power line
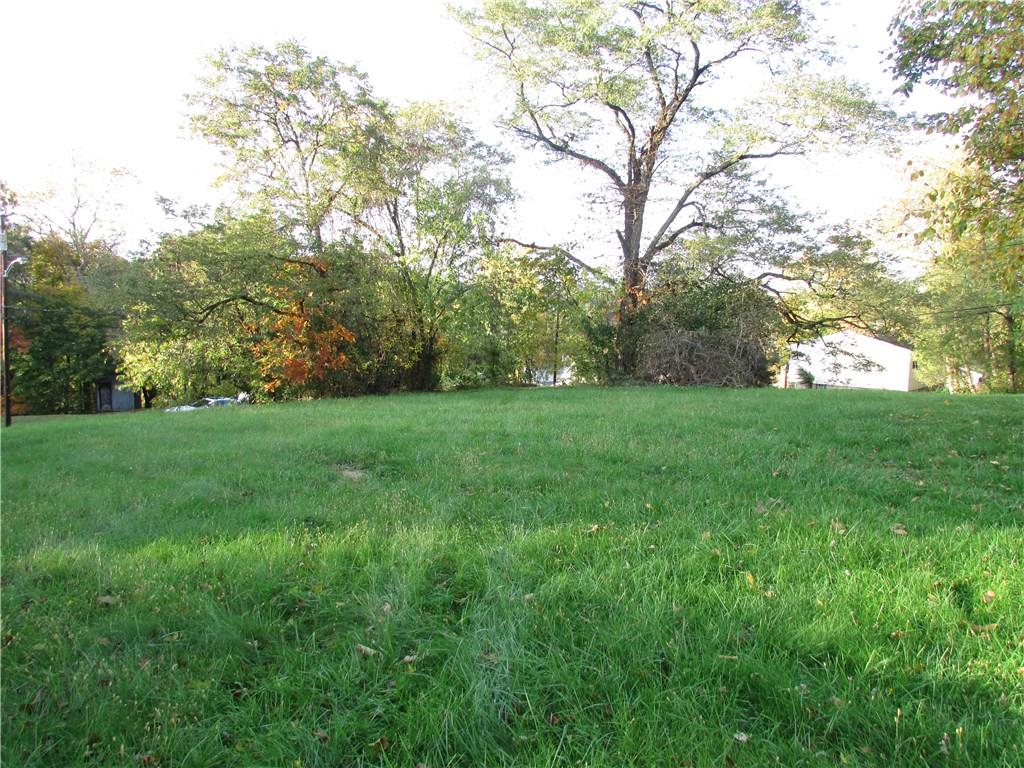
984,309
29,307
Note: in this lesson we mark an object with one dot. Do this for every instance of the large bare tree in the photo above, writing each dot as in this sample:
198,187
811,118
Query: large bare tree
663,99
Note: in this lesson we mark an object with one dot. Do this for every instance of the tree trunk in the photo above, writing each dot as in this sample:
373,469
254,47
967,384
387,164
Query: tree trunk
634,280
1011,348
556,360
986,342
424,373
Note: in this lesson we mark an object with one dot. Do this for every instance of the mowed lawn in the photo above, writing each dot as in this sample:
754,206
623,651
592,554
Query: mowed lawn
585,577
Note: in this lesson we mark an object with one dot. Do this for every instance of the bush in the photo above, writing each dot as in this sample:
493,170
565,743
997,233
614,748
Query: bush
715,332
805,377
703,358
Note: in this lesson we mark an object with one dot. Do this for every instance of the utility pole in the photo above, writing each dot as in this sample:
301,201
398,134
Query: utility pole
3,316
3,313
558,360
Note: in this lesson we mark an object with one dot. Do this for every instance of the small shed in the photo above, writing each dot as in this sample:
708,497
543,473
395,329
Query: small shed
110,396
850,360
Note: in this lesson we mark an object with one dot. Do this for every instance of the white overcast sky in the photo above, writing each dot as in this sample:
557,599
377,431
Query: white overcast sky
103,81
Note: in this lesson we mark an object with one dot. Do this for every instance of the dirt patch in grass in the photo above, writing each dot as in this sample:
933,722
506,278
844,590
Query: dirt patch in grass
351,472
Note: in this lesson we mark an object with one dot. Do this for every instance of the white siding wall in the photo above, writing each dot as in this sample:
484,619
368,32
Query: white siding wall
847,359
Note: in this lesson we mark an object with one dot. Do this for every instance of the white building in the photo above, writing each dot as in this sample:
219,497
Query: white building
850,360
545,377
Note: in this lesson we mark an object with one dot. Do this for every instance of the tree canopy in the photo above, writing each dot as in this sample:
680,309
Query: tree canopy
365,246
974,50
635,92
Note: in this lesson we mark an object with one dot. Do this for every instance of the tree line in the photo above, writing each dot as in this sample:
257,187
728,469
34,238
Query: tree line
366,248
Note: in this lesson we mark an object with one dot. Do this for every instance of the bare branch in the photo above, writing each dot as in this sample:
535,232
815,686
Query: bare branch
560,252
704,177
202,315
561,146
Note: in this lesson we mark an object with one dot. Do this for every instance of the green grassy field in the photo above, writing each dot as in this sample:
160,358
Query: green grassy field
650,577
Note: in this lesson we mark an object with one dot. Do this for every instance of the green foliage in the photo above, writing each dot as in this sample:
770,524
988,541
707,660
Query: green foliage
235,306
973,323
59,329
975,213
616,87
972,299
720,330
410,193
846,281
718,303
972,49
601,577
524,316
58,349
303,134
968,49
433,227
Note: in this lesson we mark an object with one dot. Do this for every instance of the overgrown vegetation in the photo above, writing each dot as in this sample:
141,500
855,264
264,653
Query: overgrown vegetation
364,246
973,210
609,577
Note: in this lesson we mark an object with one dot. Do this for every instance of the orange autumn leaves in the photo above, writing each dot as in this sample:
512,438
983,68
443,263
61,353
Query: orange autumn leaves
301,347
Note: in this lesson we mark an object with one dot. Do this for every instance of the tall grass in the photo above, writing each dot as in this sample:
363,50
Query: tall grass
519,577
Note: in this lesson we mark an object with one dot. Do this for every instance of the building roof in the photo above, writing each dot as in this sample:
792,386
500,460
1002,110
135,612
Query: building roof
877,337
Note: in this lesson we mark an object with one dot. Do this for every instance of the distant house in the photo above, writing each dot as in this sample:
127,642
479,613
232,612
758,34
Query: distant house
545,377
964,380
850,360
111,397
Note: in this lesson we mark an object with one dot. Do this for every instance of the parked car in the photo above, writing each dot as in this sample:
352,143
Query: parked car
210,402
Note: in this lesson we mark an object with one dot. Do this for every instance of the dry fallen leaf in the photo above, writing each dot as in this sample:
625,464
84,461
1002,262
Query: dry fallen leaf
411,658
980,629
751,581
382,743
592,529
554,719
898,634
741,737
321,734
899,529
108,600
362,649
988,597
